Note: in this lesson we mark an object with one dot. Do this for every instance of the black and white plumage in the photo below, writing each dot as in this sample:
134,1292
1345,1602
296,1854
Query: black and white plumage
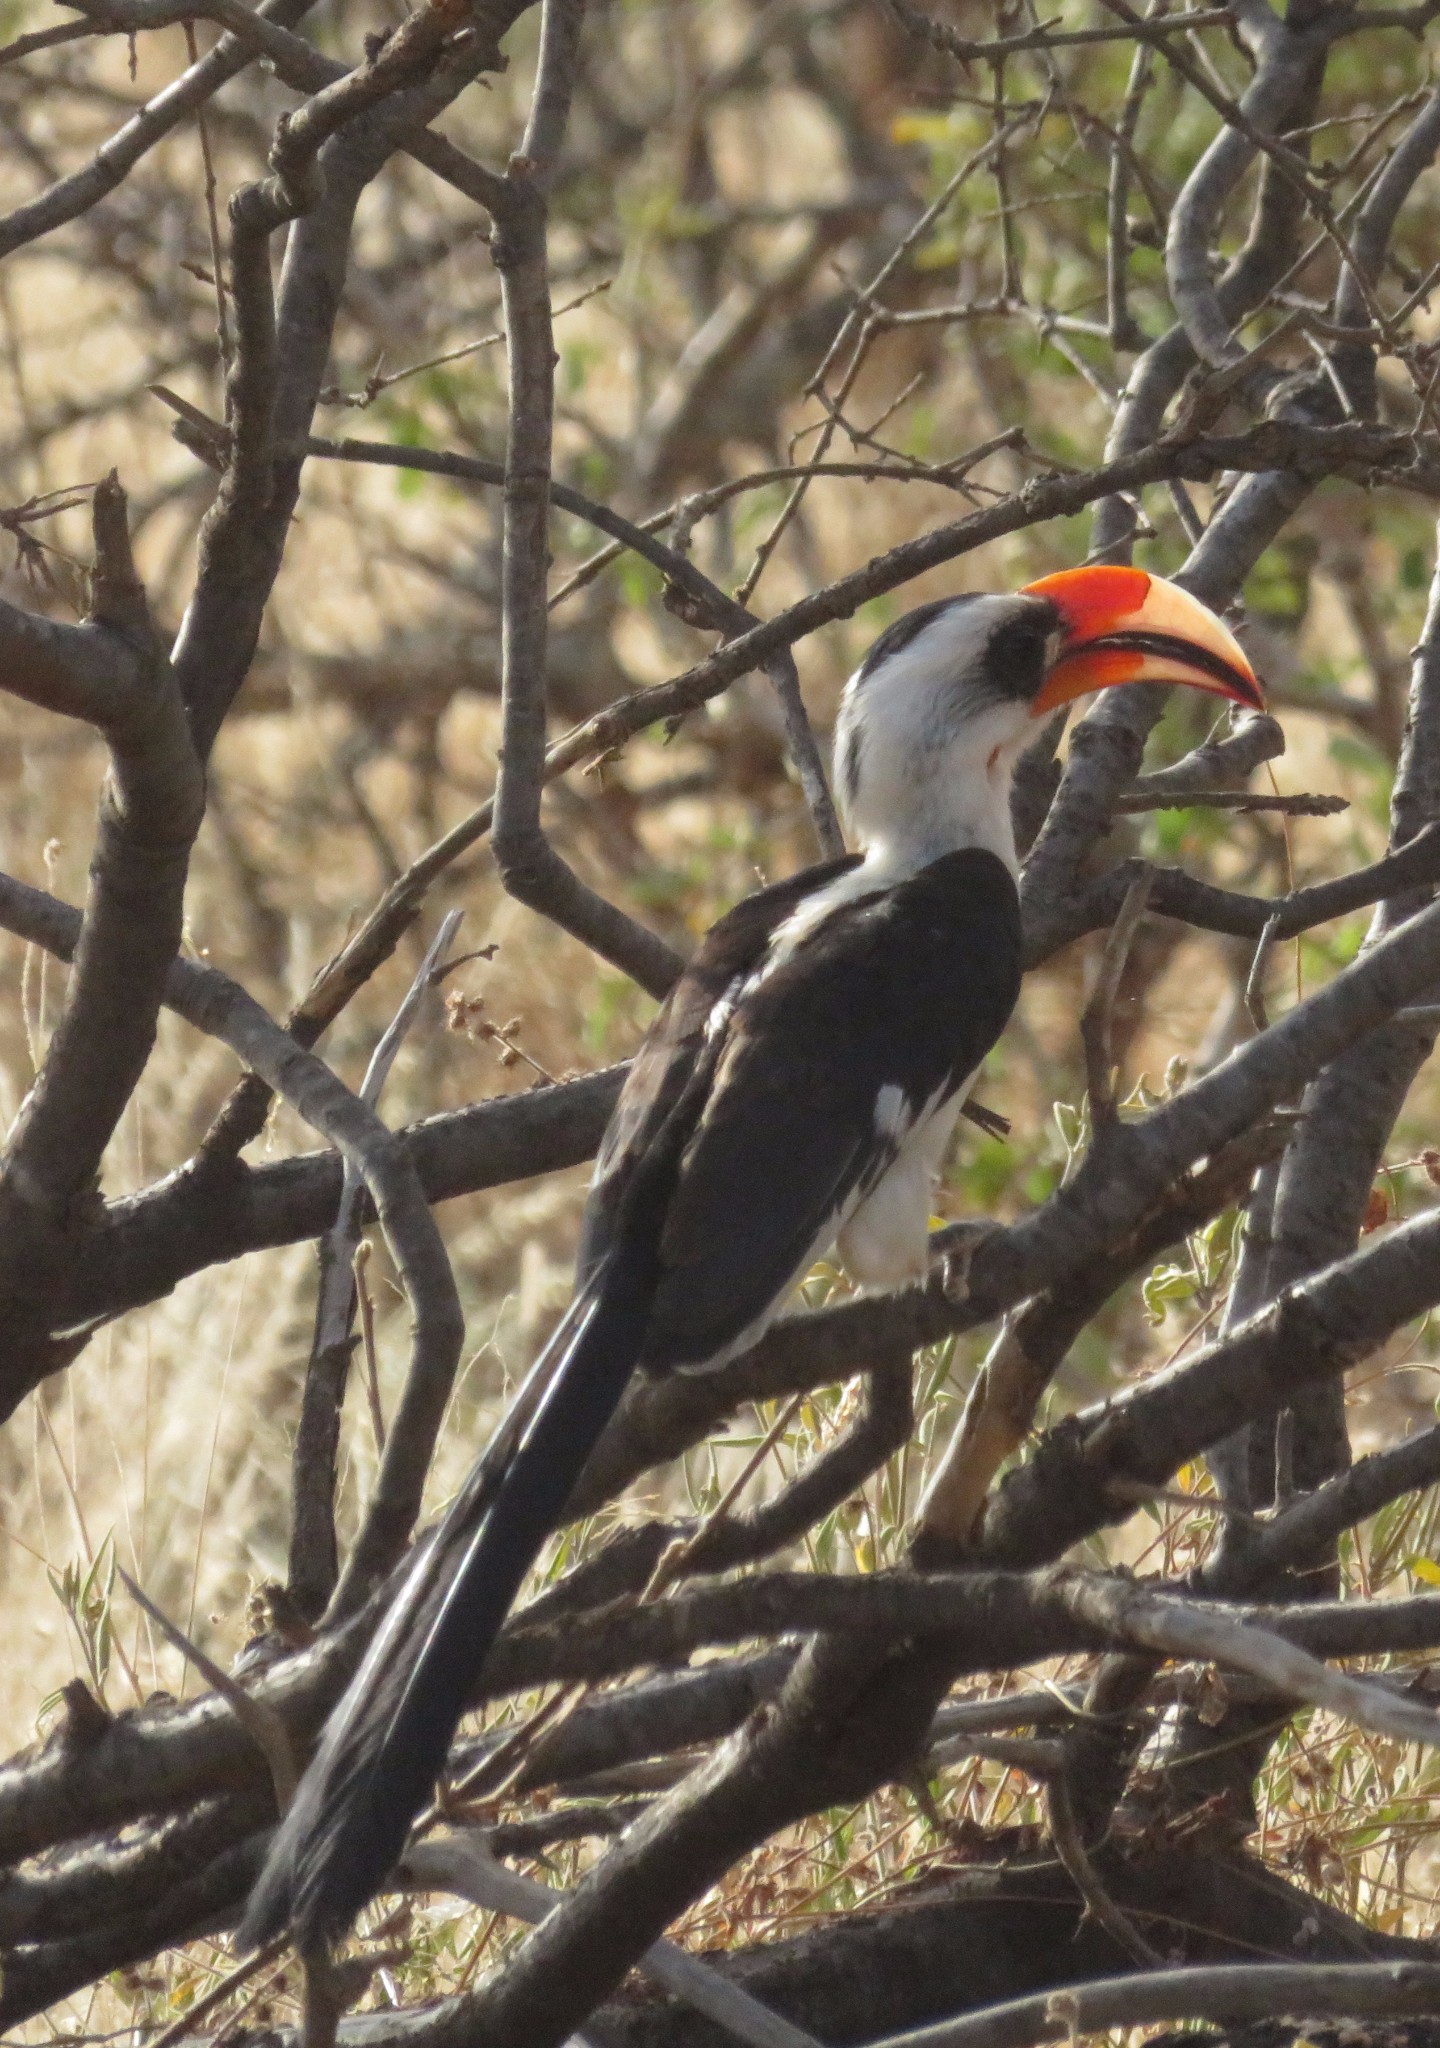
797,1090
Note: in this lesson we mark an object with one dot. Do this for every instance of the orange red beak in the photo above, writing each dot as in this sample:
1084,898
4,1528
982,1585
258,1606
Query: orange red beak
1125,626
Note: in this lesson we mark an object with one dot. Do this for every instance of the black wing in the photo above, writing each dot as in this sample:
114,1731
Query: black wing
907,989
662,1068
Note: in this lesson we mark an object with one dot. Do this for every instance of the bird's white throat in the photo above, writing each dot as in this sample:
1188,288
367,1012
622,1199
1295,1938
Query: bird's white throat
911,806
900,822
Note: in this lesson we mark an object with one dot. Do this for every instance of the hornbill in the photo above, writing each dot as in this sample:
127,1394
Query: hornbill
797,1090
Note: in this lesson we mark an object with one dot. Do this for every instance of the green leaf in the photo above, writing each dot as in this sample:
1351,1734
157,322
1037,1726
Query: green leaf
1163,1287
1414,569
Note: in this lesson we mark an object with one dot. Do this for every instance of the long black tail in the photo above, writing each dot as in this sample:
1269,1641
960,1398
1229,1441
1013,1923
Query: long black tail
384,1746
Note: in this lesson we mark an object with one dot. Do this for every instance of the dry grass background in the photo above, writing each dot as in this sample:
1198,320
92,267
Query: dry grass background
166,1446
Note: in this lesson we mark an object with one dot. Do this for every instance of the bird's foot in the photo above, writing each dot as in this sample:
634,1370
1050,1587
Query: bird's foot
951,1251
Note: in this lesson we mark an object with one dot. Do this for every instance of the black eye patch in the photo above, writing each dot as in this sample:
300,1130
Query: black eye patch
1017,652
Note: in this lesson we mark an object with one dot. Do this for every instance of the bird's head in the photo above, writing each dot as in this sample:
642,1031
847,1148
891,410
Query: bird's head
935,717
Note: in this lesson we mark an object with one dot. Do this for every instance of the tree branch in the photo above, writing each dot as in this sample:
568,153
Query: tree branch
1222,1992
111,672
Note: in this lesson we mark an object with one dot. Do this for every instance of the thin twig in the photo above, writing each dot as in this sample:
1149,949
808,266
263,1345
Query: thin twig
1224,1992
461,1863
378,382
212,217
314,1561
1097,1016
1255,980
1299,806
1075,1857
1049,37
224,1987
360,1265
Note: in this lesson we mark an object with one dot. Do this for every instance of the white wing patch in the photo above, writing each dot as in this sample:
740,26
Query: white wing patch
875,873
725,1006
892,1113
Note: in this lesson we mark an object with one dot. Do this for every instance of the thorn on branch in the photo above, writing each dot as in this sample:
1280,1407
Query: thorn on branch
84,1719
193,429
